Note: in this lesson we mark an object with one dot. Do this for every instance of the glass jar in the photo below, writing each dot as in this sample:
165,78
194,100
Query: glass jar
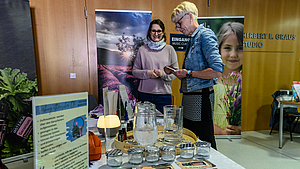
114,158
187,150
135,155
151,154
168,152
203,149
145,130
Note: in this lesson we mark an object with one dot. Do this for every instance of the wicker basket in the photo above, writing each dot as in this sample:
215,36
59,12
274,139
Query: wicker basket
188,135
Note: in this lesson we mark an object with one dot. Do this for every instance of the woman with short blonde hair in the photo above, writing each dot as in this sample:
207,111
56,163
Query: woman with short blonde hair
201,68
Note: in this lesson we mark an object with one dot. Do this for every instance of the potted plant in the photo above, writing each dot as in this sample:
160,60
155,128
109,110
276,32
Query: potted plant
16,91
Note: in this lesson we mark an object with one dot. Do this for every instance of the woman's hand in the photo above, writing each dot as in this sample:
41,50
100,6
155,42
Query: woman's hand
167,70
233,130
152,74
181,73
158,72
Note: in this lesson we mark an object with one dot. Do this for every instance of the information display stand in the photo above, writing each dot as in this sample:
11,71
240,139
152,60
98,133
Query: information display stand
61,131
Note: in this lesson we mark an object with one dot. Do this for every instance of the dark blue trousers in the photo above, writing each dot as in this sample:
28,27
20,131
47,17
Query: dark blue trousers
160,100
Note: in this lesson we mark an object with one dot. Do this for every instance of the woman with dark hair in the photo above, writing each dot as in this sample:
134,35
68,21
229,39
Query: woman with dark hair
230,38
155,85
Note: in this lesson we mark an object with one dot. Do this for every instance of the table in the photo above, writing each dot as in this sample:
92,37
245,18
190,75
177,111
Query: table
288,103
220,160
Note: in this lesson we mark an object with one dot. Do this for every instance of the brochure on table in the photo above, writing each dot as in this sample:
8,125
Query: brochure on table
60,131
125,100
296,90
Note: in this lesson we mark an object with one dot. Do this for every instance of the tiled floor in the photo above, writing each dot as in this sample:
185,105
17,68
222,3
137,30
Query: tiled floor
259,150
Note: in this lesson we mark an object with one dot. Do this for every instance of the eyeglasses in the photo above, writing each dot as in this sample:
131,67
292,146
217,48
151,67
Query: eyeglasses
156,31
177,24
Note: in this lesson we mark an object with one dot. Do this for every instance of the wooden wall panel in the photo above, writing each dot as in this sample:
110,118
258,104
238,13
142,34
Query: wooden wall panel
264,72
59,32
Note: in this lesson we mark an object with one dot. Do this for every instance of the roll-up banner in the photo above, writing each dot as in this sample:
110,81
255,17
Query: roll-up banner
228,91
119,34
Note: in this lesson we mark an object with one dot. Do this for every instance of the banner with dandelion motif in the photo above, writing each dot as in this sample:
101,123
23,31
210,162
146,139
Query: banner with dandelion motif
228,91
119,34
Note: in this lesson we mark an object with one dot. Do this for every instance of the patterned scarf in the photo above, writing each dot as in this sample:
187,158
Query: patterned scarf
156,45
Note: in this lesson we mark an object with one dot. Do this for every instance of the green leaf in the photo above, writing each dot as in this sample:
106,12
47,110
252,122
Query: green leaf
15,87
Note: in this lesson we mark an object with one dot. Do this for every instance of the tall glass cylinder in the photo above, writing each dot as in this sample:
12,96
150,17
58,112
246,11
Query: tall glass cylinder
111,120
173,124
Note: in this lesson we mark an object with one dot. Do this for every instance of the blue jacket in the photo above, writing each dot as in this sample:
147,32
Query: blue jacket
202,52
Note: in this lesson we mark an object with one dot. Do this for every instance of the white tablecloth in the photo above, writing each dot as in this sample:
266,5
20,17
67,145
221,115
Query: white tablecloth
217,158
221,162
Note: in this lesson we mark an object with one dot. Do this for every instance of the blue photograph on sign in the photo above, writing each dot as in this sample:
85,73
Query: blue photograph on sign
76,128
